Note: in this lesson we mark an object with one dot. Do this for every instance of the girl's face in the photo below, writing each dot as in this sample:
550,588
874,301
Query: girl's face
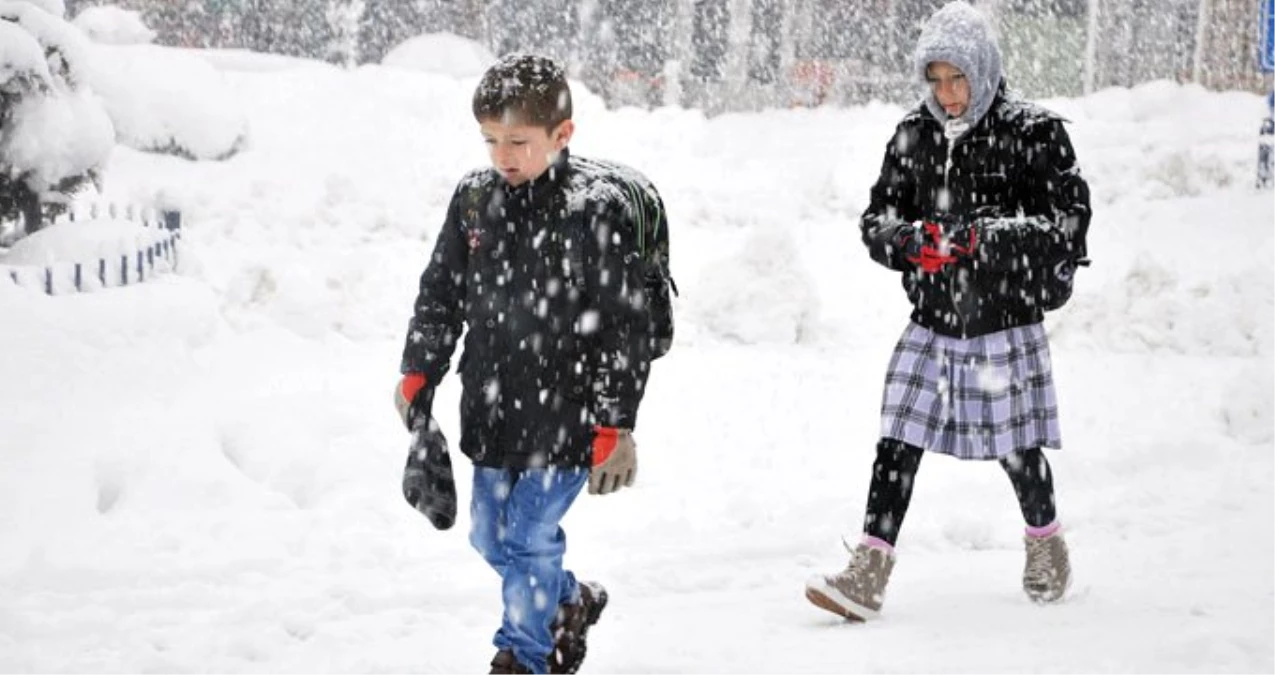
950,87
521,152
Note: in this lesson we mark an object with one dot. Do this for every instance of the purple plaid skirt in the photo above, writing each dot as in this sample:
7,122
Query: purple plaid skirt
977,398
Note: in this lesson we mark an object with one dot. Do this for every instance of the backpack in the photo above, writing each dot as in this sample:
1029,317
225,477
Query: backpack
1048,284
1055,282
646,211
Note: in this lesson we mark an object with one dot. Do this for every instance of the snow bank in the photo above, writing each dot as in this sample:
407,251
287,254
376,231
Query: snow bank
54,7
169,101
441,53
89,254
761,294
112,25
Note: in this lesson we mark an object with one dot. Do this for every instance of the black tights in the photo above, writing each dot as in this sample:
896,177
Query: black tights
894,472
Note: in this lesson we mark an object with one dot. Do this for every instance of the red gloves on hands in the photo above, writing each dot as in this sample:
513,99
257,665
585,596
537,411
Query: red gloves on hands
604,440
405,393
930,260
614,460
411,384
943,251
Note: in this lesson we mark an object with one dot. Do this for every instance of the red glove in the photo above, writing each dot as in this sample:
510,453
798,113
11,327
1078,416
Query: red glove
411,384
405,393
614,460
945,250
604,440
931,261
931,258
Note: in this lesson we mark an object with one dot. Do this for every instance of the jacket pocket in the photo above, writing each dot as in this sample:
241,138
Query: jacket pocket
988,188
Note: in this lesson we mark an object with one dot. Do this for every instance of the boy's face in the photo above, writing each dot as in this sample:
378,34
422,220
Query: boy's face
949,86
521,152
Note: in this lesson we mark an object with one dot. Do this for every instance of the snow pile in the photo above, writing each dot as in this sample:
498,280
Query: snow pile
169,101
441,53
88,254
112,25
1167,158
760,294
81,240
1248,411
54,7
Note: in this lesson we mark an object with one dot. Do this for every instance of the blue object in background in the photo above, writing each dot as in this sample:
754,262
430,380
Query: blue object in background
1266,43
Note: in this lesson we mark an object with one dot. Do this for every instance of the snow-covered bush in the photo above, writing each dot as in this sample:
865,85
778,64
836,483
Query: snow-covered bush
111,25
168,100
54,134
441,53
54,7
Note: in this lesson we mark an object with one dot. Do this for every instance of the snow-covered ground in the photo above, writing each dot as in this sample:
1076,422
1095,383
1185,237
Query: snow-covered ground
201,473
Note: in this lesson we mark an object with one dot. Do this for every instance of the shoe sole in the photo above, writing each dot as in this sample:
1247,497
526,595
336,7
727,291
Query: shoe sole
1045,598
826,597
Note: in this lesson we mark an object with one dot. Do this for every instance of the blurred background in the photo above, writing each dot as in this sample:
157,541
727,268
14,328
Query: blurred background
721,55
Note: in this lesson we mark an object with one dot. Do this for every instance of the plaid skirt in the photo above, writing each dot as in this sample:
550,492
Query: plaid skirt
977,398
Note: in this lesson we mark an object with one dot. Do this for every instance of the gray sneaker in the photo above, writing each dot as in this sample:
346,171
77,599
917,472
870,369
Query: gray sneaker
857,592
1047,574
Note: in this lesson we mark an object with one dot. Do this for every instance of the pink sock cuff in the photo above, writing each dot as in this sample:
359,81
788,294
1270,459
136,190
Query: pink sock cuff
875,542
1043,531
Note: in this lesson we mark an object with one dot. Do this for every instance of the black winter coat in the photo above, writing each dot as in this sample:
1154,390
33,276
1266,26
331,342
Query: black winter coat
1014,177
547,281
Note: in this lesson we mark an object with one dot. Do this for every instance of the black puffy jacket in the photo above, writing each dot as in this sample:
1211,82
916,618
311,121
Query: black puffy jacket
547,282
1014,177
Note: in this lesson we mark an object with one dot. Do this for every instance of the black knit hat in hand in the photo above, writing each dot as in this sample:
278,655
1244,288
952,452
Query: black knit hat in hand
428,485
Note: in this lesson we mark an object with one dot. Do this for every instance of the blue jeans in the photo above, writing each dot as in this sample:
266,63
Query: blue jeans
516,516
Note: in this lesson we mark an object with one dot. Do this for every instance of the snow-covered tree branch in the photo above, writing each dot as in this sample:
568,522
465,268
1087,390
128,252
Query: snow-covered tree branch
54,134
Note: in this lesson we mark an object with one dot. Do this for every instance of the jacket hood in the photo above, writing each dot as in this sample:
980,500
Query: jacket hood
961,36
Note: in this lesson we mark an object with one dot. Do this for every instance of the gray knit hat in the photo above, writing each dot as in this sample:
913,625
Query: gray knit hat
961,36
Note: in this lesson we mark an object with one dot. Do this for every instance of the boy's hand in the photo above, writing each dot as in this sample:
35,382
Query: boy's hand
614,460
405,394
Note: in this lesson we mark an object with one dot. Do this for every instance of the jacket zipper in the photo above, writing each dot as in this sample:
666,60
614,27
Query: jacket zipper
947,189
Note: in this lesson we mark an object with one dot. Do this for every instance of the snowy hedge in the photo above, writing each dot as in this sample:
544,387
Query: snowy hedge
168,100
113,25
54,134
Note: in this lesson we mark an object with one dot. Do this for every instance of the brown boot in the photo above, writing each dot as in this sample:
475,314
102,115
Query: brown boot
571,628
856,592
504,663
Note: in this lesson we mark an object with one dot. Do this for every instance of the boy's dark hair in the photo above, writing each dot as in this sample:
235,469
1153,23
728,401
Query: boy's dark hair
524,88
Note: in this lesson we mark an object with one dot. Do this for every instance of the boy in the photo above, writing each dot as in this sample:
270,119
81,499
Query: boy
981,207
556,266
